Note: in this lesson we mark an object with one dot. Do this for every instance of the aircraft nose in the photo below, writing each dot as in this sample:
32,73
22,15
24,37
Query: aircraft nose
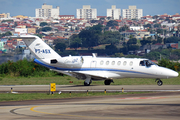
173,74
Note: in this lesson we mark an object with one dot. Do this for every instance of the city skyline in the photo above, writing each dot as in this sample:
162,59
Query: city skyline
68,7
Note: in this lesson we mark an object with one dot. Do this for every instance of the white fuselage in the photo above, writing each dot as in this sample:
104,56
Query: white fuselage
109,68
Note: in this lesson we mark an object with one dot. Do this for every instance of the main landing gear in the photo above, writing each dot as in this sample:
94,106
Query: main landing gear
108,82
159,82
87,84
88,81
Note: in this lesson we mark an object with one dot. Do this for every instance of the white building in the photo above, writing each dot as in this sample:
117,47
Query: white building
21,30
47,11
136,28
114,13
87,12
132,13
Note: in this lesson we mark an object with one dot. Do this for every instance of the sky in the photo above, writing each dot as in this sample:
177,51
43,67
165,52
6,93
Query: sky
68,7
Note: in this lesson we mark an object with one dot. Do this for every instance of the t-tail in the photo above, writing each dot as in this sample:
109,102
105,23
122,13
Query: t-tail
40,49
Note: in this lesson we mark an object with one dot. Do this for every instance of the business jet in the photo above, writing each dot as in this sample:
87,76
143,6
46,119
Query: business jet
90,68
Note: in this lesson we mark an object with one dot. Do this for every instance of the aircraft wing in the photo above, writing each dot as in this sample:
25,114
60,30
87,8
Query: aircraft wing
95,75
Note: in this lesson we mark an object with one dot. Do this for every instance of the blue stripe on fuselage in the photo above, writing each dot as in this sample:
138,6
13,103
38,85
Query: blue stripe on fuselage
86,69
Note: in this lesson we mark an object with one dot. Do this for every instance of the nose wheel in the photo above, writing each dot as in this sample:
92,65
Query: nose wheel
159,82
108,82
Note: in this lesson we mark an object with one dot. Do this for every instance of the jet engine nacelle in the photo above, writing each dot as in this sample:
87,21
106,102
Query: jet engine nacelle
74,62
71,62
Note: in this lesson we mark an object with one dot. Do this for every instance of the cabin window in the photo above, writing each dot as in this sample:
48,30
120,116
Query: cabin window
146,63
113,62
124,63
141,63
119,63
107,62
101,63
131,63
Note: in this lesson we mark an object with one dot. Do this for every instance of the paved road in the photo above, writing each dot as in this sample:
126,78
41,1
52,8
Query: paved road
75,88
149,106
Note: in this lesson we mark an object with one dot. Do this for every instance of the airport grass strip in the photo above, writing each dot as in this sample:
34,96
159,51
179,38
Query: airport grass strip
67,80
40,96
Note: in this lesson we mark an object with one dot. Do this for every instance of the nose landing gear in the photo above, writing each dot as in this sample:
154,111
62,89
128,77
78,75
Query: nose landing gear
108,82
159,82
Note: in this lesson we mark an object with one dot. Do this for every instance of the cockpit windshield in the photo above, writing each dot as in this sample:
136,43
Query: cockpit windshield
146,63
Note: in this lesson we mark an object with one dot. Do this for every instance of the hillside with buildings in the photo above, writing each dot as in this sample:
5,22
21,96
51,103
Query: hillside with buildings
124,31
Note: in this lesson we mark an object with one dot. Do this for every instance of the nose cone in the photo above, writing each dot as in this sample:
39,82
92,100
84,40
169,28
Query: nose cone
175,74
172,74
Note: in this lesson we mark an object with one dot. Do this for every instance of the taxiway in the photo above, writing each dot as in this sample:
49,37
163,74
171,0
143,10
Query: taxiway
149,106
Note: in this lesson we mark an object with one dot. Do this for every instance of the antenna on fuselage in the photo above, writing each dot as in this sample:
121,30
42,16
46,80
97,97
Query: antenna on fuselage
94,55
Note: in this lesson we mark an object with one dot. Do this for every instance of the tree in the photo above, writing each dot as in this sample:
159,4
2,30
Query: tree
94,21
169,64
159,40
77,28
108,18
110,37
147,26
76,43
175,53
56,41
8,33
144,42
15,24
111,49
97,27
153,55
45,29
157,25
160,31
89,38
60,46
43,24
112,23
7,21
39,35
124,28
118,55
133,47
164,26
132,41
171,40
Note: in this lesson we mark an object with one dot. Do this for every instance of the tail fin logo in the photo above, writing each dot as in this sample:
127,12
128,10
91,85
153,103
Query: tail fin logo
46,51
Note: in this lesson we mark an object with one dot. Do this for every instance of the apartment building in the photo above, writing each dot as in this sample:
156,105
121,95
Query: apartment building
114,13
31,30
132,13
86,12
47,11
5,15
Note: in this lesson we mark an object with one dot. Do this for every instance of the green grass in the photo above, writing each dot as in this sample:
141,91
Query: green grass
67,80
40,96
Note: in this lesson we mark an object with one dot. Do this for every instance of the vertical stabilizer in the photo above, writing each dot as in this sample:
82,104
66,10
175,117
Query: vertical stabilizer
39,48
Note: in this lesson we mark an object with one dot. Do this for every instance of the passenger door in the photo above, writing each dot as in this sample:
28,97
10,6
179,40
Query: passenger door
93,64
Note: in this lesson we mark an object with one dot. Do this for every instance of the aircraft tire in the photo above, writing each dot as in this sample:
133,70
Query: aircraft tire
107,82
159,83
86,84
